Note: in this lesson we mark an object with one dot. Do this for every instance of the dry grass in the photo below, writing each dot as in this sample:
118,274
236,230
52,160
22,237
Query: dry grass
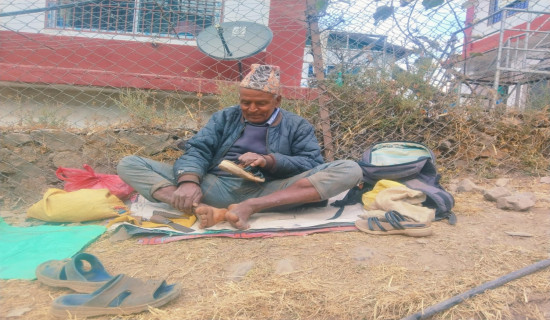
349,275
468,138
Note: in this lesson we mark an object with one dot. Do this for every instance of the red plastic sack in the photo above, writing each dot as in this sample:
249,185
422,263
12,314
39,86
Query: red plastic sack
76,179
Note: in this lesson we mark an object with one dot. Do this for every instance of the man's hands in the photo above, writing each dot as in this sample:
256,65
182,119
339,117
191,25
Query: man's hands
187,196
253,159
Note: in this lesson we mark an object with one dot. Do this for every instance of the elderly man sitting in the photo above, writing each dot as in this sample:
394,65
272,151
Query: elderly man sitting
258,134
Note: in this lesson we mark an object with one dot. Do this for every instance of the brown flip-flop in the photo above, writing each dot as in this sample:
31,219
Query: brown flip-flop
83,273
121,295
231,167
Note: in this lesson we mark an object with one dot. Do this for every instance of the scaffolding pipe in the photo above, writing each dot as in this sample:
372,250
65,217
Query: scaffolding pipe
499,53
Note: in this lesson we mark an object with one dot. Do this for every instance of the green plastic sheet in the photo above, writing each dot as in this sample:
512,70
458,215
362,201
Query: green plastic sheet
22,249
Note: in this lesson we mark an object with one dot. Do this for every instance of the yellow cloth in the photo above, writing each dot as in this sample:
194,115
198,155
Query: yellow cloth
404,200
369,197
82,205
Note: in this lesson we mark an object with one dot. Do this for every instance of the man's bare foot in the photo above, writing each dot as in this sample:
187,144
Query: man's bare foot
238,215
209,216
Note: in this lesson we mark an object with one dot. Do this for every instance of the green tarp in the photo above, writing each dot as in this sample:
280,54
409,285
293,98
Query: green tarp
22,249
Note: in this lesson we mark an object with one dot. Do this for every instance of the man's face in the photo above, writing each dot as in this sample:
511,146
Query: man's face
257,106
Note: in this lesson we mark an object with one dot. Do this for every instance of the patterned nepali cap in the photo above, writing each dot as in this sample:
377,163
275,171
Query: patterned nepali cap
263,77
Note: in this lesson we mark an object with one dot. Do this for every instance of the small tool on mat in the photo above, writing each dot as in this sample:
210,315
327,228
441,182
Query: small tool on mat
168,222
167,214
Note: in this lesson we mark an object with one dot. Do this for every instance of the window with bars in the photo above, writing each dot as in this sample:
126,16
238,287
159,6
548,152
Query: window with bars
168,18
497,6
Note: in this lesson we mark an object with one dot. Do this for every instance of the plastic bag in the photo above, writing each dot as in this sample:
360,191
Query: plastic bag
76,179
82,205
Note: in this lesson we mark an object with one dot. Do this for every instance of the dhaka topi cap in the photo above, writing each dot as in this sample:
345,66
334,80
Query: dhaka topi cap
263,77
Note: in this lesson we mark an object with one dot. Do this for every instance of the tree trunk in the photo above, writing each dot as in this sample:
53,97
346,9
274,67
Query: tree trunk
318,67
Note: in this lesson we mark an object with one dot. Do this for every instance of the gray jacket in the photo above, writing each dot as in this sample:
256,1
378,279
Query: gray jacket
290,140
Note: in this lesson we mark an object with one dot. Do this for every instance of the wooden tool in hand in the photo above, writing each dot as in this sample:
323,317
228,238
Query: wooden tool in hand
246,173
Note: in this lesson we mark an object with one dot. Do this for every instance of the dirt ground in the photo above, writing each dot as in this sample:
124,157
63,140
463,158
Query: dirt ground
346,275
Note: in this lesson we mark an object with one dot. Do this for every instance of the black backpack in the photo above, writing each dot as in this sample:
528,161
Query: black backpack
410,163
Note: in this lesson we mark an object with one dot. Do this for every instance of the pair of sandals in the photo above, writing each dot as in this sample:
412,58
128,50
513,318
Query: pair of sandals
394,223
101,293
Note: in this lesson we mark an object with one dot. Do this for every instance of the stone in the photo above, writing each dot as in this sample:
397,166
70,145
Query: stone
31,189
452,187
67,159
57,140
545,180
150,144
501,182
494,193
14,139
6,157
95,155
467,185
518,234
27,154
517,202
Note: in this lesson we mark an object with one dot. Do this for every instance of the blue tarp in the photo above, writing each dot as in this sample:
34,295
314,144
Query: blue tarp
22,249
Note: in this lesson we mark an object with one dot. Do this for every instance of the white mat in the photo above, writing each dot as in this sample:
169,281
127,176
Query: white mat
293,219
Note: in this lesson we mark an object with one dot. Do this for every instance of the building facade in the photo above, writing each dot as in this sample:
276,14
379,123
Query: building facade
141,43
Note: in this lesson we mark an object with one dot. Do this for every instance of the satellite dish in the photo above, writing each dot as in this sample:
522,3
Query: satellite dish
234,40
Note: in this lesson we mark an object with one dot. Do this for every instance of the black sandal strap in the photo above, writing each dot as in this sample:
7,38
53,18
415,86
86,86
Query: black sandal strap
393,216
396,215
375,219
391,219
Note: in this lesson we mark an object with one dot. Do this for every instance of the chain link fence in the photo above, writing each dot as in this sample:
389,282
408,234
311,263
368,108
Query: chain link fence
92,81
